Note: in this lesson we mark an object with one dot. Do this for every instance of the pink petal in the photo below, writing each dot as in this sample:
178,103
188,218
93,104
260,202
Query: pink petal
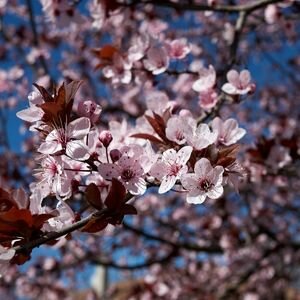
245,78
203,167
216,192
167,183
233,78
184,155
159,170
229,88
79,128
77,150
50,147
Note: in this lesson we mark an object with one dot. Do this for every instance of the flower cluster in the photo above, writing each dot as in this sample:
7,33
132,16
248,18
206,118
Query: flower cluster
164,149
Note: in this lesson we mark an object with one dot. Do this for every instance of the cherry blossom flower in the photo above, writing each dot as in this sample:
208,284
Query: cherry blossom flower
157,60
178,49
206,81
178,128
205,182
89,109
97,11
61,13
171,167
119,71
127,170
238,83
53,178
158,102
202,137
68,140
272,14
208,99
138,48
228,132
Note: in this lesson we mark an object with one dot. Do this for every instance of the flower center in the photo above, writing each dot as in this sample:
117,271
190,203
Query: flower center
127,174
174,169
179,135
63,138
205,185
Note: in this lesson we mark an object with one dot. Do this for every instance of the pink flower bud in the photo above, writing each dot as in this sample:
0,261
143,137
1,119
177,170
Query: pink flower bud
115,155
105,138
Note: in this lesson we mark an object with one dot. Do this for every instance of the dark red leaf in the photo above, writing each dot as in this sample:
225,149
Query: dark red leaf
95,225
46,96
128,209
149,137
93,196
116,196
157,127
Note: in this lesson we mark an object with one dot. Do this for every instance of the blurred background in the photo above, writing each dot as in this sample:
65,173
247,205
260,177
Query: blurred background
244,245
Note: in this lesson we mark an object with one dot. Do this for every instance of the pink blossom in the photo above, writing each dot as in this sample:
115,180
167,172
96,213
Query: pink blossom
33,113
179,128
205,182
138,48
53,178
68,140
171,167
208,99
178,49
119,71
89,109
61,13
206,81
158,102
157,60
129,171
202,137
271,14
65,217
238,83
228,131
97,11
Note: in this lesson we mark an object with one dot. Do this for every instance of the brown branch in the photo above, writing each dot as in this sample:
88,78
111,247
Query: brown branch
36,40
216,8
187,246
51,236
162,260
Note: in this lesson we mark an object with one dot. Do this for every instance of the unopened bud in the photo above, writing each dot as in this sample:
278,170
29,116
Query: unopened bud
252,89
105,138
115,155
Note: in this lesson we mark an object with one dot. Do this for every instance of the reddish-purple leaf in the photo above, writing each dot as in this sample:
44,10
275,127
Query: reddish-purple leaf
116,195
93,196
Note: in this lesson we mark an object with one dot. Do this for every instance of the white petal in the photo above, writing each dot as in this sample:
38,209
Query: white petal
167,183
79,128
49,147
31,114
184,154
230,89
215,192
196,199
169,156
189,181
202,167
77,150
109,171
159,170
